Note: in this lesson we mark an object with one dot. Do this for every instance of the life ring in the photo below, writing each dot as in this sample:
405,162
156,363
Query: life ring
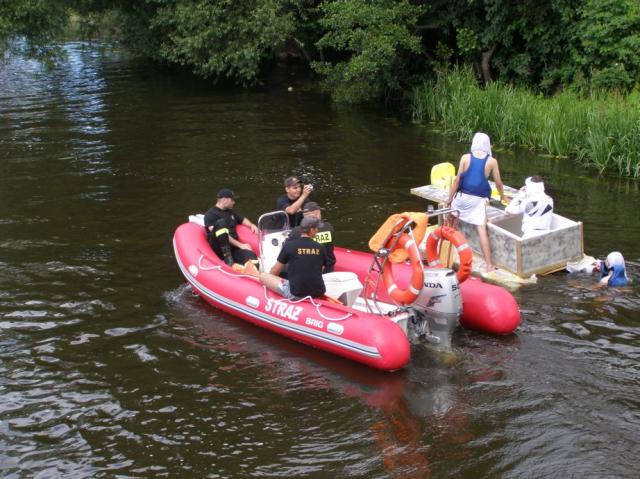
409,295
458,240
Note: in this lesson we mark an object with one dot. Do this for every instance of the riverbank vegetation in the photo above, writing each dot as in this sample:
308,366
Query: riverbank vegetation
377,50
599,129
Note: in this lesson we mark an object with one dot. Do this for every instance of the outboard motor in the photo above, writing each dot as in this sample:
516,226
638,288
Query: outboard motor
437,308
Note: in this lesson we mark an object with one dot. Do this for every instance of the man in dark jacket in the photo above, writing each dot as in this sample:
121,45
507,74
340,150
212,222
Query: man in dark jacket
305,259
220,223
294,199
324,235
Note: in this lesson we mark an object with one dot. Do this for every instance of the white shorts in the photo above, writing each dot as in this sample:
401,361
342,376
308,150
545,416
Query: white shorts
473,209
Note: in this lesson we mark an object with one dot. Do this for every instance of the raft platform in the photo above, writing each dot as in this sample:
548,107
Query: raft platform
518,260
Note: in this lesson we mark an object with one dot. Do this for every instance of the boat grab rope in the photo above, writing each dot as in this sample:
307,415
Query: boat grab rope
219,268
293,301
203,268
317,305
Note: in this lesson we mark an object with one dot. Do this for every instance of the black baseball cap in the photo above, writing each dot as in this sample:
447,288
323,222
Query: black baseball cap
226,193
311,206
292,181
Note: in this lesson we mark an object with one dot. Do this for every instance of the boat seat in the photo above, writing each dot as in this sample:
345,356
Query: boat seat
197,219
442,175
343,285
271,246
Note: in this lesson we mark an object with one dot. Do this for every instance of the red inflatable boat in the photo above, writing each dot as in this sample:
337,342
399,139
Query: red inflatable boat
368,327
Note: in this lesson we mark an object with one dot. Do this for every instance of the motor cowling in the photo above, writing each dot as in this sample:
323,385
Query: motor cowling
440,293
438,307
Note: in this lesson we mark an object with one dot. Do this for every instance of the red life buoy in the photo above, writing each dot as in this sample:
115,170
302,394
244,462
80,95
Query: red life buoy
458,240
409,295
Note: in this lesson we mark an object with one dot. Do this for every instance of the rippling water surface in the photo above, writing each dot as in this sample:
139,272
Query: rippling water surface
110,368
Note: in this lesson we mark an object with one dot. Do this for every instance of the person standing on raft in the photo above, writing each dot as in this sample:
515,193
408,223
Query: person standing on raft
471,189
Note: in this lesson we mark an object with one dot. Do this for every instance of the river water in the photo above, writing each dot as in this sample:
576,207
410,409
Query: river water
109,367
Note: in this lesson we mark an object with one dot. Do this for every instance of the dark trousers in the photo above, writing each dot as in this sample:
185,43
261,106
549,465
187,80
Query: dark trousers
219,242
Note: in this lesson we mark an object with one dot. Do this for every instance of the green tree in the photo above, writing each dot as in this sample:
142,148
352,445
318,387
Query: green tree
367,47
609,35
36,22
527,41
216,39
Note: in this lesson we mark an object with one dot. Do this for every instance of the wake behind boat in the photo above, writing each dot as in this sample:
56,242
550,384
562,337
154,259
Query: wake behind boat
366,324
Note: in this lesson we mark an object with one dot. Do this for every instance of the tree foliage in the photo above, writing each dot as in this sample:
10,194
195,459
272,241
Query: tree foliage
36,22
369,42
361,49
609,36
223,38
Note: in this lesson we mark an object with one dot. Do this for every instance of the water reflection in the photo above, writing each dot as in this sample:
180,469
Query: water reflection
413,418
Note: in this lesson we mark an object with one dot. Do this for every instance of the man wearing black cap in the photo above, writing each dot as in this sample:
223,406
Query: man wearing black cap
220,223
291,202
305,259
324,235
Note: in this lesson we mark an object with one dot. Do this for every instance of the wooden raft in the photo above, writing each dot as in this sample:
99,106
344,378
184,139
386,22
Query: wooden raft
522,258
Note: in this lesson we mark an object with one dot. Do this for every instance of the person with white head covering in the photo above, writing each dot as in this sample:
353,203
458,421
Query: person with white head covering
470,189
613,271
535,205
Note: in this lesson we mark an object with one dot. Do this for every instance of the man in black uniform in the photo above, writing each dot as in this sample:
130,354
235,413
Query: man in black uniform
220,224
324,235
305,259
291,202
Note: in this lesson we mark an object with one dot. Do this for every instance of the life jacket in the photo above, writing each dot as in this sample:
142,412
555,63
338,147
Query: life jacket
618,276
473,181
378,240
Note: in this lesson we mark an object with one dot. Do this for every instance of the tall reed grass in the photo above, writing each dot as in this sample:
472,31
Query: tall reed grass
601,130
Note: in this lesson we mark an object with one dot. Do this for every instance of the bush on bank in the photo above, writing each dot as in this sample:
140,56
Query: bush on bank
600,130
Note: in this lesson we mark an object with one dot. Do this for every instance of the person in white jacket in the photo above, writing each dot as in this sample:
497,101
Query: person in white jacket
535,205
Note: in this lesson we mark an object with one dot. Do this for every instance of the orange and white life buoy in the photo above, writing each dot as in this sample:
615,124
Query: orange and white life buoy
409,295
458,240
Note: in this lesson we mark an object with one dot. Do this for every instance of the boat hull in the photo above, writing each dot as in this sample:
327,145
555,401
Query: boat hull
374,340
487,308
369,339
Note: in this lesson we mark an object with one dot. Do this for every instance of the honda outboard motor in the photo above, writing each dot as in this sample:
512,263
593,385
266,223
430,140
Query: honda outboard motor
437,308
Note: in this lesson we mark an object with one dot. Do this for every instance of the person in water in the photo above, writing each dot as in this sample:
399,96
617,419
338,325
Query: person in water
613,271
535,205
471,189
324,236
220,223
296,195
305,260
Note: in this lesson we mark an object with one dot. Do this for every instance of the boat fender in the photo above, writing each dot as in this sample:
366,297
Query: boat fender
459,241
409,295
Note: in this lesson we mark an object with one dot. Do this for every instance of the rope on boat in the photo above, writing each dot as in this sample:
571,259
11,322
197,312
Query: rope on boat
236,275
325,317
317,305
203,268
219,268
